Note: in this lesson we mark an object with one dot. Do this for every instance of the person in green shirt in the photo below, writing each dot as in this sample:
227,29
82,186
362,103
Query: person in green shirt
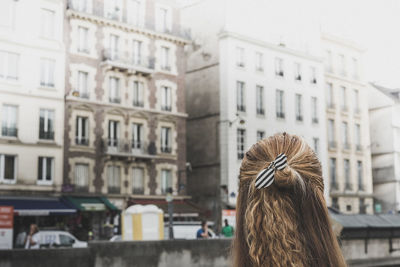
227,230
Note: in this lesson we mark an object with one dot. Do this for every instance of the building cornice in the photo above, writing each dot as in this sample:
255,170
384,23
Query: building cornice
344,79
23,94
281,49
342,42
126,27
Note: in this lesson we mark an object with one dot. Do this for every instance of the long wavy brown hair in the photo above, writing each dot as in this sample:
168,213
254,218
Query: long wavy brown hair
287,223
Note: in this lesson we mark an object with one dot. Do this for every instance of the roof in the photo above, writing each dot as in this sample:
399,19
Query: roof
393,93
367,221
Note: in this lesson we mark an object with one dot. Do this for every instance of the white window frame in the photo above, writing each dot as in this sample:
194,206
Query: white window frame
82,84
260,135
9,65
299,107
48,23
114,47
279,67
331,130
164,19
240,57
83,174
342,62
241,143
357,134
114,89
114,180
7,120
316,145
280,103
134,10
297,72
137,52
41,179
8,12
330,96
313,75
166,98
240,96
113,133
166,181
165,58
166,139
138,94
343,92
138,173
82,124
259,58
333,171
83,40
47,72
345,133
314,109
113,9
48,115
260,100
137,135
2,169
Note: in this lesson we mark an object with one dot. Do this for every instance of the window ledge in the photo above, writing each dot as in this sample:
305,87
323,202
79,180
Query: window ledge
47,88
41,183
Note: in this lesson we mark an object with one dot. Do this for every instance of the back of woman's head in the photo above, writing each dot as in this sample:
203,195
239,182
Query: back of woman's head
286,223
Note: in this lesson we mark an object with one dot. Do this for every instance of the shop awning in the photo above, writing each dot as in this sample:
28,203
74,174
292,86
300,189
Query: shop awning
36,206
91,203
181,207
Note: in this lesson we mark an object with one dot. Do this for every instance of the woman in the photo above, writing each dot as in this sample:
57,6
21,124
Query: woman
33,239
281,215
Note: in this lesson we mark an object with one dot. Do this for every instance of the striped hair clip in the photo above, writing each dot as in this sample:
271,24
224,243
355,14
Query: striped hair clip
267,176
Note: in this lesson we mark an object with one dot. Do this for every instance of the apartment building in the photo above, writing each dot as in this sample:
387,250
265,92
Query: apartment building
384,117
241,90
349,152
32,61
125,120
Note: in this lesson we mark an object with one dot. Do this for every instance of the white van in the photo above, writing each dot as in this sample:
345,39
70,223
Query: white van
55,239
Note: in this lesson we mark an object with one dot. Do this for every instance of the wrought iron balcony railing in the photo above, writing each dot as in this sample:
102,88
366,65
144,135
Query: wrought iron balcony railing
46,135
126,147
9,131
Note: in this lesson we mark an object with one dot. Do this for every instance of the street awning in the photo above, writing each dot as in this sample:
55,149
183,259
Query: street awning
36,206
181,207
91,203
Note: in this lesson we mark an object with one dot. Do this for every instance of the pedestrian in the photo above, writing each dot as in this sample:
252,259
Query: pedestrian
281,214
227,230
203,231
33,239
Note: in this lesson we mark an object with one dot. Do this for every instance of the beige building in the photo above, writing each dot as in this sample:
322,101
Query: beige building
32,61
125,115
349,153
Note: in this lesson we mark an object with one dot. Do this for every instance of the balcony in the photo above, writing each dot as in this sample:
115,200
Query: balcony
81,188
114,189
46,135
280,115
126,148
260,111
314,81
279,73
297,78
332,144
115,100
82,141
166,108
125,62
166,149
138,191
9,131
241,108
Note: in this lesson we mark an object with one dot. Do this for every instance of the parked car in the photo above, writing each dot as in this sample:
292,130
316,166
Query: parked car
186,230
55,239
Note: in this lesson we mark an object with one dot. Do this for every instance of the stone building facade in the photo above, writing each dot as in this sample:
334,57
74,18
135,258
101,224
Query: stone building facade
349,150
125,120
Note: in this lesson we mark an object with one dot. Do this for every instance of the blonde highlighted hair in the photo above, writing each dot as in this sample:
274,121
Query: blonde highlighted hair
287,223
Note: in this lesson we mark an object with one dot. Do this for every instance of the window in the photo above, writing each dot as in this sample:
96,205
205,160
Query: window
332,173
335,203
9,65
240,97
166,181
331,133
357,137
137,52
114,90
81,176
355,69
280,104
313,75
137,136
163,20
363,207
47,72
260,100
137,180
343,98
299,108
348,207
134,7
297,71
279,67
113,9
66,241
241,142
113,133
165,64
260,135
316,144
114,179
360,176
356,102
342,65
138,94
346,165
80,5
83,84
239,56
7,13
45,170
46,124
166,104
114,47
166,140
8,168
83,40
48,23
259,62
329,95
9,121
314,109
82,131
345,140
328,66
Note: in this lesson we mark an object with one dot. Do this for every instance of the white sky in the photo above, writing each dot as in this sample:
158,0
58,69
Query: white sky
373,24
